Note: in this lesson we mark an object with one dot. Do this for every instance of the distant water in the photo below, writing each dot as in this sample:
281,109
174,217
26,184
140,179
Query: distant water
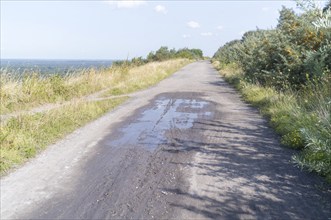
19,66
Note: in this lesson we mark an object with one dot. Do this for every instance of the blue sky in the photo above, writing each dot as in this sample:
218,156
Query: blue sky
118,29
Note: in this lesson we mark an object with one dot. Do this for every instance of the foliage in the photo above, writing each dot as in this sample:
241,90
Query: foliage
165,54
286,72
162,54
302,118
289,56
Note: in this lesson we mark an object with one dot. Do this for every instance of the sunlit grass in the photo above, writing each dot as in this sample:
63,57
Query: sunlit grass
34,90
144,76
24,136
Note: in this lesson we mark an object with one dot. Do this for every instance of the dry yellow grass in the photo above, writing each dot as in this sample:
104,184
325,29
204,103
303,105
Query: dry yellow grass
144,76
34,90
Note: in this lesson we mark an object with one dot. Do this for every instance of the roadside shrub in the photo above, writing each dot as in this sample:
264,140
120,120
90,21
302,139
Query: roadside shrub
286,72
302,118
286,57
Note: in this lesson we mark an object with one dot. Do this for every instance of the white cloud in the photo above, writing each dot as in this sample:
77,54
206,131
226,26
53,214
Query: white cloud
193,24
127,4
161,9
206,34
186,36
219,27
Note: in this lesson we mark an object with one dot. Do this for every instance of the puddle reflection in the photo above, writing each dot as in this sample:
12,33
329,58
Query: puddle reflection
149,130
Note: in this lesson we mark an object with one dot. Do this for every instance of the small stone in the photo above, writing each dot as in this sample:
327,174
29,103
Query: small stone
164,193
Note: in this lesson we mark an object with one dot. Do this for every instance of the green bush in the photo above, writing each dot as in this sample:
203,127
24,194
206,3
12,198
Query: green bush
302,118
286,72
287,57
165,54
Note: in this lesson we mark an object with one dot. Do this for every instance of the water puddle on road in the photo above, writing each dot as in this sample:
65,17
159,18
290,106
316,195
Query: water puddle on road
149,130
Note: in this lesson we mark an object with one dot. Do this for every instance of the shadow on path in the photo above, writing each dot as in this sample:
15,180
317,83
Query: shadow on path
254,176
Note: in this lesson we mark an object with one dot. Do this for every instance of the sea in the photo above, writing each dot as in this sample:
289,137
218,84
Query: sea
50,67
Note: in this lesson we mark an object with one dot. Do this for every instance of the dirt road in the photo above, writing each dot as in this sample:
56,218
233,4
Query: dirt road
186,148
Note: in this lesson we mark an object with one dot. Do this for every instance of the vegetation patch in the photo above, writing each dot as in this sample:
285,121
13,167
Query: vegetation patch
302,118
286,72
24,136
144,76
33,90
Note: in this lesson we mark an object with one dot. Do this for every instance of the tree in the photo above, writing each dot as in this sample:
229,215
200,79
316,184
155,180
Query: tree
162,54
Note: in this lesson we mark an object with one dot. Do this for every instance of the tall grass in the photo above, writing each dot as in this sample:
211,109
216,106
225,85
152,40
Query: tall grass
24,136
144,76
302,118
34,90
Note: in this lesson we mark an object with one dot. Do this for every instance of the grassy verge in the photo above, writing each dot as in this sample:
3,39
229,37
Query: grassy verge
34,90
302,118
23,137
144,76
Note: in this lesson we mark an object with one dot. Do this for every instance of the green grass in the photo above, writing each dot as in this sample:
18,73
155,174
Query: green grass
302,118
25,136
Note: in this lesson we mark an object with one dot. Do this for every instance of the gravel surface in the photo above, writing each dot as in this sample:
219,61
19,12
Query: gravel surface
188,148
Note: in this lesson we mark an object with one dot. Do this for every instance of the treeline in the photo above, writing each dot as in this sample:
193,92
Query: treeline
286,72
162,54
295,53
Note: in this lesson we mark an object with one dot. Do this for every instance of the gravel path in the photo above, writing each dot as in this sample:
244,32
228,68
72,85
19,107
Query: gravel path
188,148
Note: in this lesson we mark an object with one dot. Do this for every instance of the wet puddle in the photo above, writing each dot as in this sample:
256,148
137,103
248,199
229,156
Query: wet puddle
149,130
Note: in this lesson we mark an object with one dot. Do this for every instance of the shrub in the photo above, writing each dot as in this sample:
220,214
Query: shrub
287,73
286,57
